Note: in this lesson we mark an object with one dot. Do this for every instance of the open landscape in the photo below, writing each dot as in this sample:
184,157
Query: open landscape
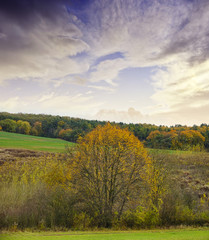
104,121
183,191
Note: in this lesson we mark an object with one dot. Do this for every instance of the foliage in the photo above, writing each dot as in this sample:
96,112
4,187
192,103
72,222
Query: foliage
37,129
194,138
23,127
8,125
108,179
36,193
108,164
184,140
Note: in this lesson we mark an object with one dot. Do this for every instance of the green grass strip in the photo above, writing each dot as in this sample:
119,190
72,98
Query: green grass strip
21,141
133,235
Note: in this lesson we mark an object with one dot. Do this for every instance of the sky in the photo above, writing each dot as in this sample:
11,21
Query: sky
133,61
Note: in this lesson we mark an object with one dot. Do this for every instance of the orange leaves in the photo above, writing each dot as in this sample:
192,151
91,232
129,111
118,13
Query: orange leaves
64,132
185,139
153,134
192,138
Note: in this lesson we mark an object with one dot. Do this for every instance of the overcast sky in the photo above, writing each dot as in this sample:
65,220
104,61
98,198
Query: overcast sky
120,60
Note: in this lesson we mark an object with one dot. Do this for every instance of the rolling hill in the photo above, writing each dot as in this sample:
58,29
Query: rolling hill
21,141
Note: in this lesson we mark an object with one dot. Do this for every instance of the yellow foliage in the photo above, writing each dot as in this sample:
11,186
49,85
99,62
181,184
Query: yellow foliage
108,164
48,170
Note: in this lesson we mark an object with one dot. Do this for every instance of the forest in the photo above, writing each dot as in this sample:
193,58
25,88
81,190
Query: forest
178,137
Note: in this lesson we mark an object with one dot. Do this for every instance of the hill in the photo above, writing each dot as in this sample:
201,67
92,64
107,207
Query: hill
178,137
21,141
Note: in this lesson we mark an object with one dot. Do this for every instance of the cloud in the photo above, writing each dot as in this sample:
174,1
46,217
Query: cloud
58,43
37,40
10,104
180,85
46,97
130,116
77,105
107,70
102,88
137,30
188,115
191,36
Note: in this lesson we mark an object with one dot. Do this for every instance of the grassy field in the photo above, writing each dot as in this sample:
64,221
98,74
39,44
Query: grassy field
20,141
133,235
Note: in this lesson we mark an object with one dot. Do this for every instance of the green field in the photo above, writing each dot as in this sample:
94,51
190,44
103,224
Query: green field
21,141
134,235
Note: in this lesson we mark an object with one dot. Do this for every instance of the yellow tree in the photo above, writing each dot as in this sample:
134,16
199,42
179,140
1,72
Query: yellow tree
23,127
108,165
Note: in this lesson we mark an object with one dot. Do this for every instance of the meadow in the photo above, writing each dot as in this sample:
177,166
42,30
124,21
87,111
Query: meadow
21,141
42,182
110,235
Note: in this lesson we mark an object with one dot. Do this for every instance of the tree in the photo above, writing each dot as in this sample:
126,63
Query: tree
8,125
107,169
191,140
65,134
37,129
153,138
23,127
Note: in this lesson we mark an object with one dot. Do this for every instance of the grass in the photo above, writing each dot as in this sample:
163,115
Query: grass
21,141
185,172
133,235
169,151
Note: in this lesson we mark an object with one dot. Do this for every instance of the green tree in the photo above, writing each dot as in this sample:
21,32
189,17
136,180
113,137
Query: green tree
8,125
37,129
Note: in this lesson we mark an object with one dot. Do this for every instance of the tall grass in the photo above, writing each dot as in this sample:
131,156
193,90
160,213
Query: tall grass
38,193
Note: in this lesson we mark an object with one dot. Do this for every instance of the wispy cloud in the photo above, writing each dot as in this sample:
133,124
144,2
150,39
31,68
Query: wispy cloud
102,88
89,45
40,44
130,116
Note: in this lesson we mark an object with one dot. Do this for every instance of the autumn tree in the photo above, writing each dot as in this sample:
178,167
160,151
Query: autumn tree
153,138
191,140
65,133
37,129
23,127
107,169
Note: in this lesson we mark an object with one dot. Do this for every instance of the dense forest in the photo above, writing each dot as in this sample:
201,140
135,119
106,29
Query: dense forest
195,138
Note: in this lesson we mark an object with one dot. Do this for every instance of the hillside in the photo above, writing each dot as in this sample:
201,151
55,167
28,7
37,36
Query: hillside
178,137
21,141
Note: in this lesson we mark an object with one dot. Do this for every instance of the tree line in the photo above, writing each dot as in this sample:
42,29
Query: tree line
194,138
